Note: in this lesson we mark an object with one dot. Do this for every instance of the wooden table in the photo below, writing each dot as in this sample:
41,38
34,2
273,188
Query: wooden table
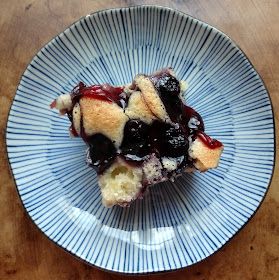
25,26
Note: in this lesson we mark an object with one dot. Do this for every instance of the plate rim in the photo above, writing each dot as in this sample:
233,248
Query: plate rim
235,233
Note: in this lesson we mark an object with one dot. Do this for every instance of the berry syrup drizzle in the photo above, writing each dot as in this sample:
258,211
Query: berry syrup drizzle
103,92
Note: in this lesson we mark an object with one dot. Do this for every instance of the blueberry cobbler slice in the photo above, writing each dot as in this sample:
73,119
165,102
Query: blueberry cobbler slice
139,134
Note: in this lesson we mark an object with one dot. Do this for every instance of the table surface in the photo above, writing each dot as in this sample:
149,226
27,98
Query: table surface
25,26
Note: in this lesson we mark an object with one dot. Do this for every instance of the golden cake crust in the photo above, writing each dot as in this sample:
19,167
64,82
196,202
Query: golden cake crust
151,97
138,109
204,157
103,117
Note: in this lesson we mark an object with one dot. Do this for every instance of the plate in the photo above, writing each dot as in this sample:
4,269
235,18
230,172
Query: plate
177,224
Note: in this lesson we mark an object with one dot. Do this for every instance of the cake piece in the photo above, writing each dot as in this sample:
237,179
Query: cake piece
139,134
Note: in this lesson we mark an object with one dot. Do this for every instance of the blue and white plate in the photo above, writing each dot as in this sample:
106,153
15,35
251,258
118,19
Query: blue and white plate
177,224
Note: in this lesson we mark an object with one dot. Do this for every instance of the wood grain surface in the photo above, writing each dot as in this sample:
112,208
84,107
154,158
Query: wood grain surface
25,26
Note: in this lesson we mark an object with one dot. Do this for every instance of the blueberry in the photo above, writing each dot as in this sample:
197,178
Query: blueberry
135,131
175,142
168,88
101,151
135,142
166,83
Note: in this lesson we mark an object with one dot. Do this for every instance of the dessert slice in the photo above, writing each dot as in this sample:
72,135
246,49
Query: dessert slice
139,134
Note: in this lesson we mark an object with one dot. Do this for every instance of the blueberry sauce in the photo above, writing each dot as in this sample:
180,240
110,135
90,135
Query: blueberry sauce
141,139
102,152
168,140
159,138
135,145
168,88
192,119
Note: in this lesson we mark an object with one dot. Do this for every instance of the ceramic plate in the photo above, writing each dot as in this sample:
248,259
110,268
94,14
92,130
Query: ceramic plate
177,224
